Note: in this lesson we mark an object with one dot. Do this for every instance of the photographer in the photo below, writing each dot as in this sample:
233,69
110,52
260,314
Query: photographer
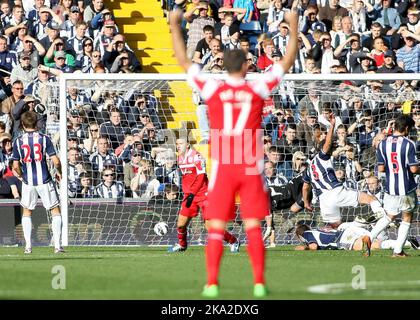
28,103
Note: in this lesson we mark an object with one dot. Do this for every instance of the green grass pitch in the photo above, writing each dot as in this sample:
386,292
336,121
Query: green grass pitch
152,273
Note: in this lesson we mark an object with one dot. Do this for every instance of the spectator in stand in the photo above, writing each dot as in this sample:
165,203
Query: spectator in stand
103,153
95,7
91,143
360,63
197,24
130,170
364,130
17,21
86,189
243,9
34,48
115,130
76,125
203,46
378,51
98,21
84,60
375,32
17,94
271,177
5,13
305,129
388,17
266,59
144,185
46,15
75,43
290,143
281,38
69,26
323,118
274,124
275,155
109,188
323,53
224,35
119,48
408,57
60,63
24,71
105,37
7,58
389,65
311,22
358,16
413,22
347,48
168,173
275,15
62,8
74,169
328,10
298,163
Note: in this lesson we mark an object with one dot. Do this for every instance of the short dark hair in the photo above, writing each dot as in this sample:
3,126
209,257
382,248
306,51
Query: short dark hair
208,28
171,188
367,113
244,39
300,229
234,60
326,106
292,126
403,122
274,149
29,119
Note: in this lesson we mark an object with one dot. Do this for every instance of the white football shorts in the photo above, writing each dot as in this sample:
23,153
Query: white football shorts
349,237
330,202
47,192
394,205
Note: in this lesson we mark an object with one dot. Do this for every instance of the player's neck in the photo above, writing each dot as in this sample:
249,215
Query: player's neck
398,134
30,130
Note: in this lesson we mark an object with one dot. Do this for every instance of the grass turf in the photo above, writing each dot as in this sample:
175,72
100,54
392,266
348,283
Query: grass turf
152,273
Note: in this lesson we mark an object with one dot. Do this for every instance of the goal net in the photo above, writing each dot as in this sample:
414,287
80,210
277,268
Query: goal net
117,144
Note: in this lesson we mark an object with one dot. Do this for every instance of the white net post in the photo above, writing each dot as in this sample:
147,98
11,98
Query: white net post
108,221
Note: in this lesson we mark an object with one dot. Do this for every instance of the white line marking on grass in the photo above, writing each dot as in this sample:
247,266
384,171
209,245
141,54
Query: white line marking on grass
411,287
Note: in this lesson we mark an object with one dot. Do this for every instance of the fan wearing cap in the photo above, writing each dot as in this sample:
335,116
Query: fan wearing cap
34,48
76,125
46,15
389,65
24,71
104,39
69,26
98,20
53,32
58,49
234,34
305,128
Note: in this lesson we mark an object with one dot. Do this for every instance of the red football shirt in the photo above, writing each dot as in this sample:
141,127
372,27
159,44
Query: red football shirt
193,169
235,110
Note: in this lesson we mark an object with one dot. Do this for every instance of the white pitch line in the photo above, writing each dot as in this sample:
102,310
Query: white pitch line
372,287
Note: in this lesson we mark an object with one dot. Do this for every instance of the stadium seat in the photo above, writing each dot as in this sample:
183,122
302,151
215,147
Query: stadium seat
252,26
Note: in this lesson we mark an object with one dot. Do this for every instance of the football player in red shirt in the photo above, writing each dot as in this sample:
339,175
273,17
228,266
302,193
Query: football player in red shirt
235,109
194,186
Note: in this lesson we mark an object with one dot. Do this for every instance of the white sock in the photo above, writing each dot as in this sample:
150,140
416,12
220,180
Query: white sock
379,226
402,236
56,229
377,207
27,231
390,244
387,244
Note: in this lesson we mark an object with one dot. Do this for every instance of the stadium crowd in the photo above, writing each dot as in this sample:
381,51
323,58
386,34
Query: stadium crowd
114,140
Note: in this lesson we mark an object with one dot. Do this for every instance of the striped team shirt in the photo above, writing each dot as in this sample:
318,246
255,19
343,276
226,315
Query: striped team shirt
31,149
324,239
116,190
398,154
321,174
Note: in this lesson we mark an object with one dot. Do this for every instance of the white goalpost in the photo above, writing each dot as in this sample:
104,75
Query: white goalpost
129,220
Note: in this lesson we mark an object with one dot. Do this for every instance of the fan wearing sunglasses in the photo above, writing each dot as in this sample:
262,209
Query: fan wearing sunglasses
109,188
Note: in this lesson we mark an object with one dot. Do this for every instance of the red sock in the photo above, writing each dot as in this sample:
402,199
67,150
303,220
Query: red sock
256,253
229,238
182,237
214,252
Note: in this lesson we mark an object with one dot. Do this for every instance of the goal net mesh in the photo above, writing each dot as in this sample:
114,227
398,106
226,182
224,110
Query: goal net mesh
122,176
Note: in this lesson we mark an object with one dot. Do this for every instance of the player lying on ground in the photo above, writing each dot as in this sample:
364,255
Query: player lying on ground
321,178
30,151
235,111
352,238
194,186
396,156
285,197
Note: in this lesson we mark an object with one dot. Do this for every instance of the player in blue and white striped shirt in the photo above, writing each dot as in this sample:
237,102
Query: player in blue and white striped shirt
331,193
30,151
396,156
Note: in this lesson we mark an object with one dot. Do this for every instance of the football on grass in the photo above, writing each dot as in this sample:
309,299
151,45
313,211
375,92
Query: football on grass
161,228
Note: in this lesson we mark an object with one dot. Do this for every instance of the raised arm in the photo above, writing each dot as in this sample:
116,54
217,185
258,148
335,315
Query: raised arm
178,40
328,139
292,46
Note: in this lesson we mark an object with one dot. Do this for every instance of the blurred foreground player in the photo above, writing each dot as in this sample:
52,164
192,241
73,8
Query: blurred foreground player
194,186
30,151
235,110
